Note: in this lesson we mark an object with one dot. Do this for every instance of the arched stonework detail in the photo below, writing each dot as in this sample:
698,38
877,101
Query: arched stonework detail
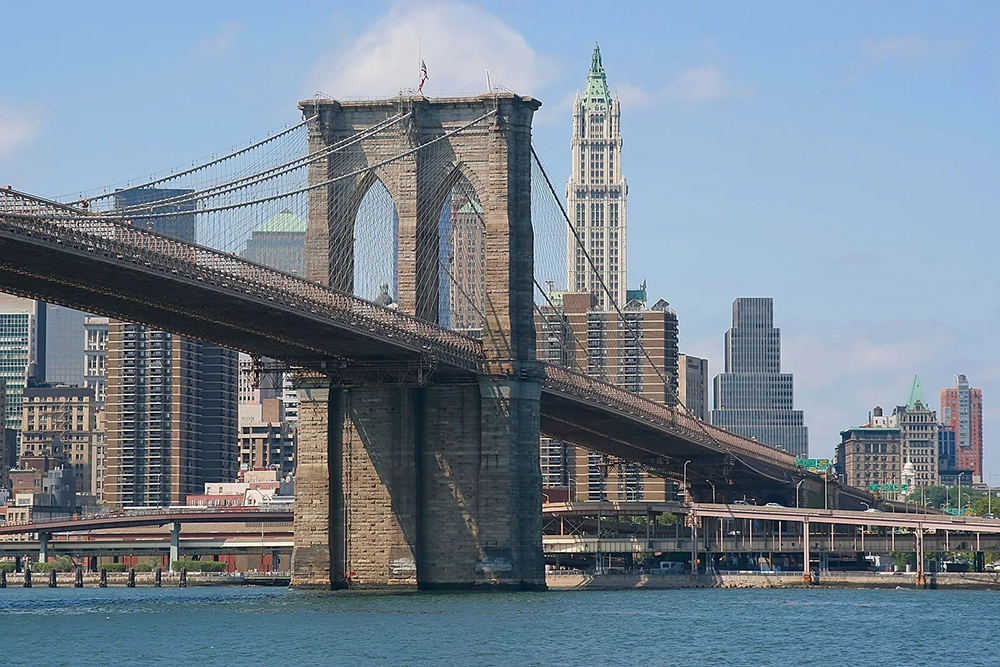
494,155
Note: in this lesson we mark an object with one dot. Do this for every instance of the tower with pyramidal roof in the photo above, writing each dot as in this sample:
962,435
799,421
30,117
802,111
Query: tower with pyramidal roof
596,193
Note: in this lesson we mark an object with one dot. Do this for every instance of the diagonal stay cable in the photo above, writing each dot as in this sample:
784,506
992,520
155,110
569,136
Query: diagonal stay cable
259,177
198,167
621,315
322,184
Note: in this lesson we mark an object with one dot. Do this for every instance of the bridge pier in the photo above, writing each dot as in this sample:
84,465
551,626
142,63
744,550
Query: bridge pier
437,488
318,554
427,485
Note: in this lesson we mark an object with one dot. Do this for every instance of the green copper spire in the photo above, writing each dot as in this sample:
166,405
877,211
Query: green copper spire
596,96
916,394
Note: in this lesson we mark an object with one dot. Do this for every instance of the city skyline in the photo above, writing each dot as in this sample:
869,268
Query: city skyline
895,158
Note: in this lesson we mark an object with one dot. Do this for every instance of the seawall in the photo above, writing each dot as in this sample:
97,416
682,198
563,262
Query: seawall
954,580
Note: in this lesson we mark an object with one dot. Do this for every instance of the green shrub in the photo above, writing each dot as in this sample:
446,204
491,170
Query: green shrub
115,567
144,567
61,564
7,566
198,566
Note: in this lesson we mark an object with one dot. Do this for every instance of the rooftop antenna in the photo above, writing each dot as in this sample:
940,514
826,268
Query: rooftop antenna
489,82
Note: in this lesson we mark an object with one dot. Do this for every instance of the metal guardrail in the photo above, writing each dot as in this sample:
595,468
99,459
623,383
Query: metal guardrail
169,511
121,242
662,417
58,224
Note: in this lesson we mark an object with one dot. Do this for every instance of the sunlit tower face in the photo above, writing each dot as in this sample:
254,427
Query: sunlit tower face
596,193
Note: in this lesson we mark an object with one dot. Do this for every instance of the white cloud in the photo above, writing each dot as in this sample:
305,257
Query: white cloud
19,125
220,42
458,42
706,83
912,47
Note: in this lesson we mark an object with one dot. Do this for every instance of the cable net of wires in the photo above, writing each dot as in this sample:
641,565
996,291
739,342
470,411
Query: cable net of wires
625,353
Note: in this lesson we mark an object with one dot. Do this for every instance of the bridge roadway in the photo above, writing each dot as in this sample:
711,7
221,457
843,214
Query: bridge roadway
741,529
133,519
68,256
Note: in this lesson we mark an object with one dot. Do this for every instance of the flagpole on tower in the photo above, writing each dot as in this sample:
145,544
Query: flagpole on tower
423,70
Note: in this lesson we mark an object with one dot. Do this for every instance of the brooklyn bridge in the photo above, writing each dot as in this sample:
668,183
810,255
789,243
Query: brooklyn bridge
420,413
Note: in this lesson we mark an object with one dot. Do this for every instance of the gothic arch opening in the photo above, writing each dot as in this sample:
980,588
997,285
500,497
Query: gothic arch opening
461,258
376,246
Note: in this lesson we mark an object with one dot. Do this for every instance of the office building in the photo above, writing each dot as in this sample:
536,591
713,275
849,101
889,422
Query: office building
267,437
870,456
463,269
692,385
962,412
22,351
918,428
753,398
95,357
60,422
596,193
280,243
171,416
63,345
637,353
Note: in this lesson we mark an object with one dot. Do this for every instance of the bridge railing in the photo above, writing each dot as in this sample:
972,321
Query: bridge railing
122,242
662,416
160,511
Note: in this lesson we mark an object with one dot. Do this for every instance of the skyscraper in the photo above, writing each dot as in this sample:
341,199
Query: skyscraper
962,412
63,345
753,398
596,193
171,422
280,243
22,351
692,385
95,357
919,433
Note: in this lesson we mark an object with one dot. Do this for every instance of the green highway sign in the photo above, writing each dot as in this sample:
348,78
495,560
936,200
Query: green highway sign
888,487
813,464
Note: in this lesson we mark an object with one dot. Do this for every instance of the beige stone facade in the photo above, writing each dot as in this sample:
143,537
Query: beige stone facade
61,423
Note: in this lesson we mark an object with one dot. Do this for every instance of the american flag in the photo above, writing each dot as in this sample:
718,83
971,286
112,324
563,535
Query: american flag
423,75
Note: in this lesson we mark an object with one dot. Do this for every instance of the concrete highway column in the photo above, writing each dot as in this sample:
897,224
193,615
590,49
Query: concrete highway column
175,543
694,545
806,573
921,577
43,547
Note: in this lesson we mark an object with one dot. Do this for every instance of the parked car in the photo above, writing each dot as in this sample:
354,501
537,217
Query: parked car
773,505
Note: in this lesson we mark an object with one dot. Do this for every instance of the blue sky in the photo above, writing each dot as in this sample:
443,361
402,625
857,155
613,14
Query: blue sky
840,158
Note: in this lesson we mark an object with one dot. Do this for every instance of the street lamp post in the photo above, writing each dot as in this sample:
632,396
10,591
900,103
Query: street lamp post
713,490
686,480
989,495
797,492
960,492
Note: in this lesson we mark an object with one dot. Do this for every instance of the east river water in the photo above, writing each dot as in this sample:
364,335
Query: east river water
277,627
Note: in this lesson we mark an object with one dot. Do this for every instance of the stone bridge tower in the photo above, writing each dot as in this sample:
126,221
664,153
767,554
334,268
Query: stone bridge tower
434,484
